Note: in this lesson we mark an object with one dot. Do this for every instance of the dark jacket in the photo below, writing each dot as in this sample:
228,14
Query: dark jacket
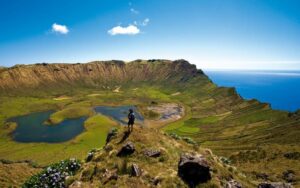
131,117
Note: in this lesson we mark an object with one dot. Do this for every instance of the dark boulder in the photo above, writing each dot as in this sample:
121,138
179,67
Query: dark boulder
262,176
155,181
112,133
109,175
233,184
193,169
274,185
289,176
127,149
152,153
135,170
89,157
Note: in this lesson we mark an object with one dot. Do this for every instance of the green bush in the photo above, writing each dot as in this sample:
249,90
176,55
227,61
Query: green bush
114,130
186,139
54,175
189,140
225,160
163,158
175,136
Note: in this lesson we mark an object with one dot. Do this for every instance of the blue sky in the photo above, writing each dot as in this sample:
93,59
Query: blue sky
213,34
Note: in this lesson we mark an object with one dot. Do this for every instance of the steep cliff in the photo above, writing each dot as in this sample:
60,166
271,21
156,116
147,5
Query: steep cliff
95,74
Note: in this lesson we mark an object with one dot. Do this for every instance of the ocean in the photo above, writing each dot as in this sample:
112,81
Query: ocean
279,88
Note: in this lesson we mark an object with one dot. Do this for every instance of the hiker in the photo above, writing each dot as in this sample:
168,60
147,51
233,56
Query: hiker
131,119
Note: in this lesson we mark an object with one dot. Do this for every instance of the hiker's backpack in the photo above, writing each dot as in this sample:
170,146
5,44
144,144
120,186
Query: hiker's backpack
131,116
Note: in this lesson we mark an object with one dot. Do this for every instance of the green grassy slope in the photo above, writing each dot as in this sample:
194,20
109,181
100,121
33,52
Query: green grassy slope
241,128
163,168
247,132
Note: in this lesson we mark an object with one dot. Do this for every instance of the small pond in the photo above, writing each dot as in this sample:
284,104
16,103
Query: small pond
31,127
119,113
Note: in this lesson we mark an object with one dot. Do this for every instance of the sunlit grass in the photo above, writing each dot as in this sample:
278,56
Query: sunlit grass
69,113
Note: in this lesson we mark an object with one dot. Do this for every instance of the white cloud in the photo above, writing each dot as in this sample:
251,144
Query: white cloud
129,30
61,29
134,11
146,21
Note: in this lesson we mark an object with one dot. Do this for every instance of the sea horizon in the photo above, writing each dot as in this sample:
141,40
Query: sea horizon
279,88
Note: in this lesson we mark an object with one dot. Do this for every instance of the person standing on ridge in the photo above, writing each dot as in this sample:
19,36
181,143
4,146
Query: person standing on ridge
131,119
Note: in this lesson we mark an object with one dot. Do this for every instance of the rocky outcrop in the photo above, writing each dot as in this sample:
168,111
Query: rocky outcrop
274,185
193,169
127,149
135,170
112,133
109,175
289,176
89,157
152,153
97,74
233,184
262,176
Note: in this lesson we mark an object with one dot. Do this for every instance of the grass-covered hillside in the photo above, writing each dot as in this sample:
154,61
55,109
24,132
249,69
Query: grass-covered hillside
262,143
104,167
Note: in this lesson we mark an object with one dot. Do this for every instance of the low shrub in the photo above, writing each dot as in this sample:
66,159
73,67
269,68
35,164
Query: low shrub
114,130
292,155
225,160
175,136
54,175
189,140
186,139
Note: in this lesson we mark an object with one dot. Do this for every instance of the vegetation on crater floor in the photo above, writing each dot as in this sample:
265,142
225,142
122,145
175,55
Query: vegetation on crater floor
215,117
69,113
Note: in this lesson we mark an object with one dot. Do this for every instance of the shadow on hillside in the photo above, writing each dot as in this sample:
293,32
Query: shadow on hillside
125,136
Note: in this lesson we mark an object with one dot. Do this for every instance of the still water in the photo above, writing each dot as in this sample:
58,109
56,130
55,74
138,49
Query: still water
32,127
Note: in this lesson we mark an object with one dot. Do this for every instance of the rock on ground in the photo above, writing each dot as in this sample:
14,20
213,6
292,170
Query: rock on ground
233,184
109,175
152,153
274,185
127,149
135,170
76,184
193,169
